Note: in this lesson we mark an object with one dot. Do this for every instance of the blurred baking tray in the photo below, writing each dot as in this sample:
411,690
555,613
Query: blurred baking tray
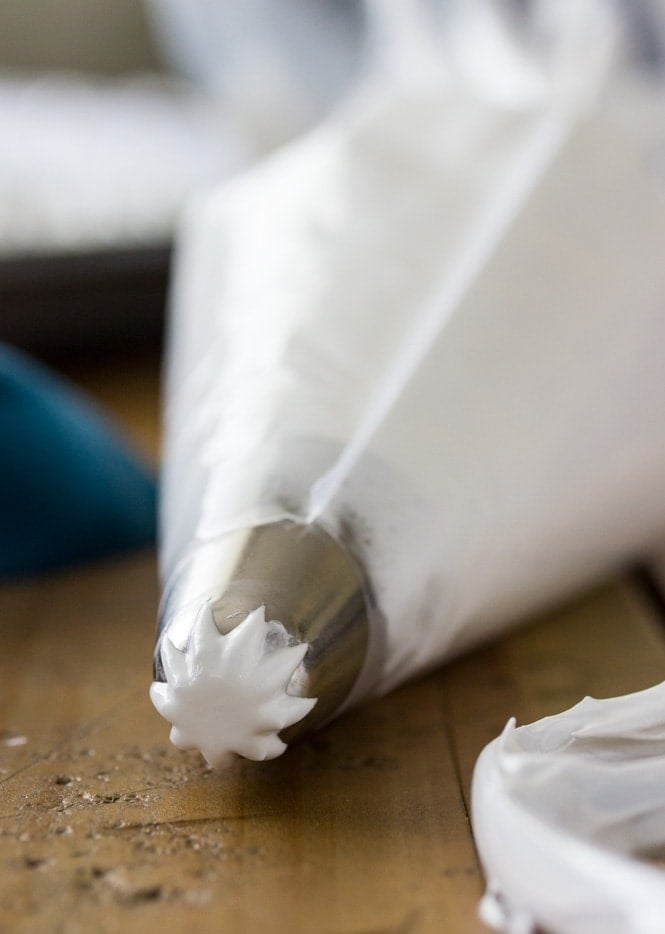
84,303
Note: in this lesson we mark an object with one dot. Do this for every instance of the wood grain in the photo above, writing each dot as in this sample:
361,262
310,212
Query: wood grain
362,829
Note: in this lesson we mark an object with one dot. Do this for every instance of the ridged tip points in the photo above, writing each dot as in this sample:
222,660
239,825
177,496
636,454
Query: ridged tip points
226,695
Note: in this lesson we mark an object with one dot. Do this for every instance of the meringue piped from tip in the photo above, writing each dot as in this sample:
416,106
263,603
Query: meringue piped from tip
225,695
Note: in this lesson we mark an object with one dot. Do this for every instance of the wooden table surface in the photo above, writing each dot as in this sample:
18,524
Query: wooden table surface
362,828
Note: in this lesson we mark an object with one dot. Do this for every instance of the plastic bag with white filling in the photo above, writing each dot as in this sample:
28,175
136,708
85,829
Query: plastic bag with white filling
431,329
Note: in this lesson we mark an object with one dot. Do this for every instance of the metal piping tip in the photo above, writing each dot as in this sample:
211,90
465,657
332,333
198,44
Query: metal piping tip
290,609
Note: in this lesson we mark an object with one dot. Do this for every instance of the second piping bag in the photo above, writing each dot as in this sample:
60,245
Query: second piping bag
415,385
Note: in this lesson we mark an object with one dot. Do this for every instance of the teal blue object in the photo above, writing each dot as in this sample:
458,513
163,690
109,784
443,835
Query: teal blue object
70,488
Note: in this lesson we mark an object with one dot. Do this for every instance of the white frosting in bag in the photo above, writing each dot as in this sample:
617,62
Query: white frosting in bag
434,324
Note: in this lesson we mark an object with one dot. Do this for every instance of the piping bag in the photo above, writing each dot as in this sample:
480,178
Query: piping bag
415,379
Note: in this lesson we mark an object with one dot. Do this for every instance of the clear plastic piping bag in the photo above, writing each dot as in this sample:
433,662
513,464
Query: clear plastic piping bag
433,329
